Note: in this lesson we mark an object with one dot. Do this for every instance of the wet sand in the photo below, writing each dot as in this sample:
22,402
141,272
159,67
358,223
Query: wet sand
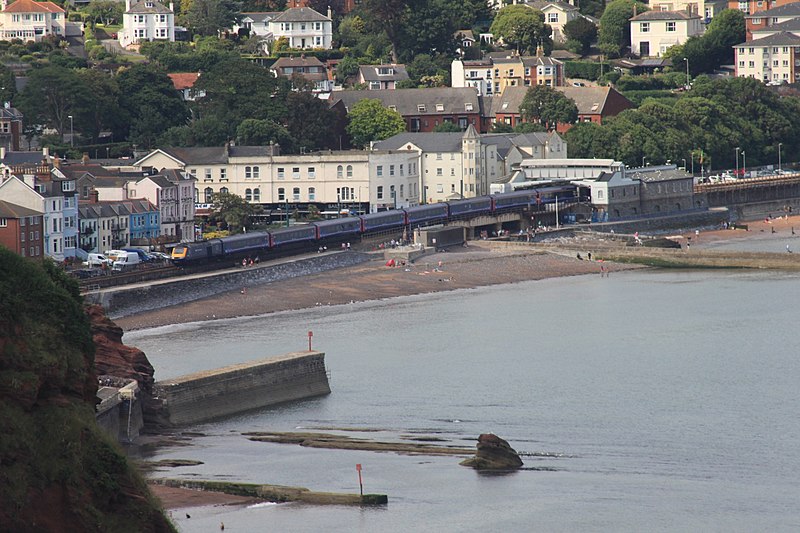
178,498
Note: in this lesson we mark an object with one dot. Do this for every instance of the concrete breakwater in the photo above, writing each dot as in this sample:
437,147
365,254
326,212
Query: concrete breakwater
232,389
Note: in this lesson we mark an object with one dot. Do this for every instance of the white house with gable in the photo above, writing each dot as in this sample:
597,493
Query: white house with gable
31,21
303,27
147,20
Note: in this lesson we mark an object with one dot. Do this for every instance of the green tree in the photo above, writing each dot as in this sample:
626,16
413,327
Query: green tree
51,96
148,97
548,107
582,31
8,86
207,17
309,121
259,132
101,112
105,11
230,211
528,127
615,32
369,121
347,68
388,16
522,27
447,127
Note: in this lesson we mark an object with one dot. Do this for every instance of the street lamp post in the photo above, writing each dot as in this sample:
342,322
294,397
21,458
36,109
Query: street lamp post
684,163
71,132
688,79
744,164
643,158
779,156
737,161
692,154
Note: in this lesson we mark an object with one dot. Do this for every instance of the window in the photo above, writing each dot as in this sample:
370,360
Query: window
468,106
349,171
248,195
281,173
391,170
439,171
440,107
223,190
296,194
255,172
281,194
644,27
421,108
207,174
256,195
670,26
248,172
380,171
439,157
295,173
552,18
757,21
223,174
439,188
401,169
208,195
3,222
312,172
339,171
312,194
380,192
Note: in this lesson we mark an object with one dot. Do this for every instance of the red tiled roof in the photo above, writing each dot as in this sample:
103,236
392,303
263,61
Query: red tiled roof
29,6
183,80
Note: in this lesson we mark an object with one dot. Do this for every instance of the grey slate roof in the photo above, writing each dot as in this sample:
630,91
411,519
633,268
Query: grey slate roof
541,4
664,15
653,174
589,100
791,25
257,17
148,7
428,142
406,101
22,158
300,14
783,38
216,154
370,73
786,10
9,210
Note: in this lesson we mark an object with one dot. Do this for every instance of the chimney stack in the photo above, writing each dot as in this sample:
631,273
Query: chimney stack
94,196
85,158
2,152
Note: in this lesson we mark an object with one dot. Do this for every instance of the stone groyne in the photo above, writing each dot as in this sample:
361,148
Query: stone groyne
233,389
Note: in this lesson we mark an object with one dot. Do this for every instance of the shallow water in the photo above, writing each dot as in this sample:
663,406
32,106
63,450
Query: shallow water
658,401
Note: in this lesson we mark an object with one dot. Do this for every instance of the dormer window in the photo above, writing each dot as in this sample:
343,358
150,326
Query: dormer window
385,71
421,108
468,106
440,107
394,107
149,4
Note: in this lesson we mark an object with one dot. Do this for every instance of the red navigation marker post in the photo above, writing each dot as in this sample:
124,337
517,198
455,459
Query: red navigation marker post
310,334
360,483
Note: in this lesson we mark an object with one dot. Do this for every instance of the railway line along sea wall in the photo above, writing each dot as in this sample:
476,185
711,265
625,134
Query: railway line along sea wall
125,301
237,388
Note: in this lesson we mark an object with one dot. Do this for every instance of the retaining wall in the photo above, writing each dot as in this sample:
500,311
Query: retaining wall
233,389
120,302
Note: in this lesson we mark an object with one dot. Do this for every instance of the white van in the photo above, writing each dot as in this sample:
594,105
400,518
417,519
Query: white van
97,260
126,261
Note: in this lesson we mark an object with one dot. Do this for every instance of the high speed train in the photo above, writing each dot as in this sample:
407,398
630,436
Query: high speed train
322,233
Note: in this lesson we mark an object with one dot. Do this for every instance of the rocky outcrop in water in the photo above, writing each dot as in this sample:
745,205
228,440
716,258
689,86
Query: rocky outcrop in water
493,453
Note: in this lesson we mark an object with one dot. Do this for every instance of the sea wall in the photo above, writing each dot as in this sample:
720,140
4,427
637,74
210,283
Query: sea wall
126,301
233,389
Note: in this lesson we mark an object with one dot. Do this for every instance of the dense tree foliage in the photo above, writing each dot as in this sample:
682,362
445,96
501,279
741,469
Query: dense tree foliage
548,107
713,118
581,31
369,121
522,27
52,95
148,97
231,212
208,17
707,52
615,28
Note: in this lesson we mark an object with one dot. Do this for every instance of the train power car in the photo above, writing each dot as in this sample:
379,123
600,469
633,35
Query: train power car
384,220
197,252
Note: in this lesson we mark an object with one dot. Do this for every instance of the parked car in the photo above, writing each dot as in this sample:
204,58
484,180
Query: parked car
144,257
97,260
160,256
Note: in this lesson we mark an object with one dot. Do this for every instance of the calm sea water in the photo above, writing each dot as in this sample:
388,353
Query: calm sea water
657,401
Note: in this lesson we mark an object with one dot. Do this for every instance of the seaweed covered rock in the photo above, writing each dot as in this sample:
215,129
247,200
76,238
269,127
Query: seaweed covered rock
493,453
58,470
